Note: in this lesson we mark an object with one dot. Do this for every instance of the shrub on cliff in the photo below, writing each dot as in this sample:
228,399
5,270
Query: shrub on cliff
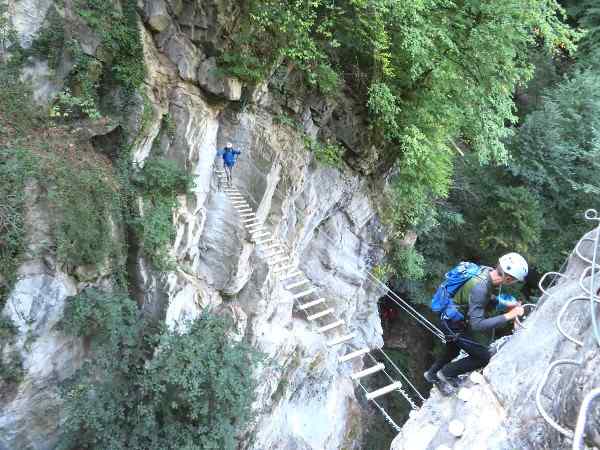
147,387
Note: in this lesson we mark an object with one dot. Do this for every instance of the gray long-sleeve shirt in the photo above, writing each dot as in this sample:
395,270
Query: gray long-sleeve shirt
479,298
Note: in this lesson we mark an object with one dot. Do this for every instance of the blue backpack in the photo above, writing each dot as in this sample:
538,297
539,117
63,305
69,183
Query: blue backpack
442,299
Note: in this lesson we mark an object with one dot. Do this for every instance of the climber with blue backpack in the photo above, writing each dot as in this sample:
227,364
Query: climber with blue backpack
461,302
229,155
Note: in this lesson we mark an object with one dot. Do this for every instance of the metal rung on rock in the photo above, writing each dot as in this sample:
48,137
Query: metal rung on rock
313,303
320,314
298,284
280,260
305,293
245,210
250,220
264,241
354,354
341,340
331,326
261,235
272,255
248,215
257,226
269,247
283,269
384,390
295,273
370,370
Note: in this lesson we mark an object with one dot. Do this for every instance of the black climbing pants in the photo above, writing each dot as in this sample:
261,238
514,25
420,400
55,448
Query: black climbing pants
458,338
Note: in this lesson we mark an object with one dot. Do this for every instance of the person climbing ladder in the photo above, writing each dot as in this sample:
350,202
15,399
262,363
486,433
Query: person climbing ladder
229,155
468,288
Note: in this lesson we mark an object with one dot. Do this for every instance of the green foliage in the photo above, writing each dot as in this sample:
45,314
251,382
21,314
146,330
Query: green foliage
384,109
150,388
87,204
327,153
408,264
11,364
514,223
120,39
16,167
159,183
50,41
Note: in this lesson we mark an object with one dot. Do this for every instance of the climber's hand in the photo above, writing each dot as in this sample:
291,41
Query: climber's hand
515,312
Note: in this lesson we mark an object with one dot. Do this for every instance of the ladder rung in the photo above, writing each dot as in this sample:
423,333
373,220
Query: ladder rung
264,241
254,236
280,260
331,326
320,314
245,210
250,220
304,293
341,340
254,227
283,269
248,215
272,255
354,354
295,273
239,202
269,247
384,390
368,371
298,284
313,303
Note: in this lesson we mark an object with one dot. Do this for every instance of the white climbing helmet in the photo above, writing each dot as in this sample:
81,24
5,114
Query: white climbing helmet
229,145
514,265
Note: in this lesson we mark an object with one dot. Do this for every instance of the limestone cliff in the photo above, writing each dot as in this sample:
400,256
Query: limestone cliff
498,411
326,216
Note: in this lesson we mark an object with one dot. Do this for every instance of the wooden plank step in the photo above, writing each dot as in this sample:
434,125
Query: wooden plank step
298,284
320,314
283,269
354,354
341,340
311,304
293,274
368,371
331,326
384,390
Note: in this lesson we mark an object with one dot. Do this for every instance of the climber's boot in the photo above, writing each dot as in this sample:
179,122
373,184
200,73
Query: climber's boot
431,377
446,385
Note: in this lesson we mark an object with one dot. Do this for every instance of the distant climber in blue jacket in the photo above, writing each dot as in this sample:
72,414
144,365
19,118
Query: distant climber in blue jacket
229,155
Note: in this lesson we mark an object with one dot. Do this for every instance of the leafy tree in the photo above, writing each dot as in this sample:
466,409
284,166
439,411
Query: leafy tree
146,387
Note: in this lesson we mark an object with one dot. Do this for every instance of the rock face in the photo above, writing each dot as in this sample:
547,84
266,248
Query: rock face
325,216
500,412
